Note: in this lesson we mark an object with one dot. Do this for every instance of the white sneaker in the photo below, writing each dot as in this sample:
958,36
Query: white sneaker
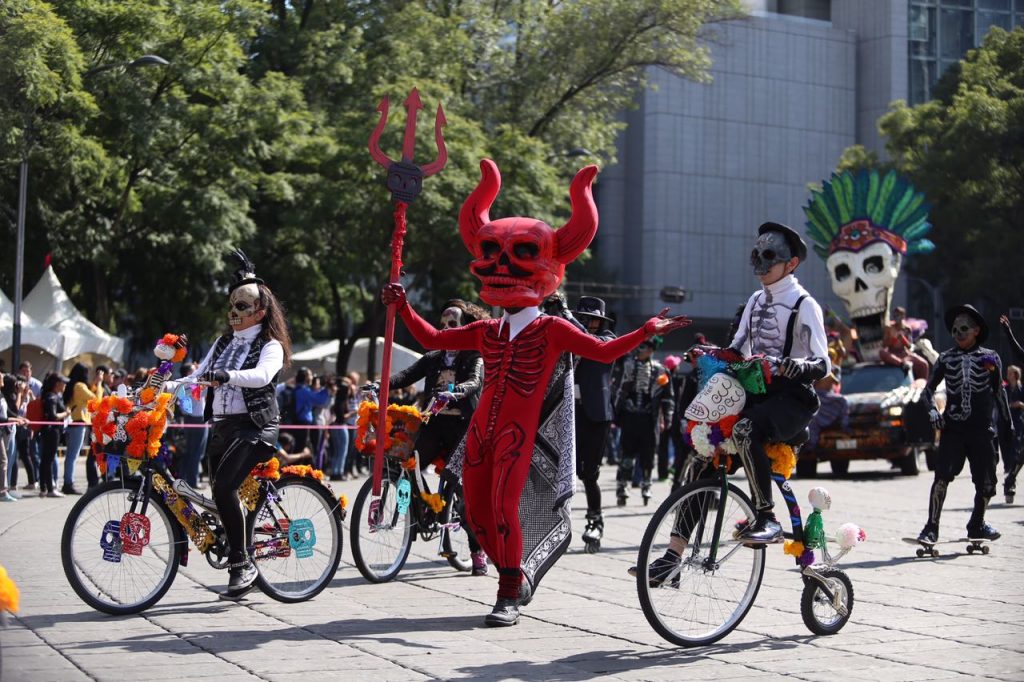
7,497
54,493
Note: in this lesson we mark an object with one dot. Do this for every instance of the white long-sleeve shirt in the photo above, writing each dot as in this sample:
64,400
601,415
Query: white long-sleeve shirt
227,399
762,327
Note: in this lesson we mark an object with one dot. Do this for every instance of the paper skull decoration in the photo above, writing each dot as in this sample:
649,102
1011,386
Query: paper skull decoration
520,261
134,533
404,496
820,499
110,541
302,537
863,225
722,396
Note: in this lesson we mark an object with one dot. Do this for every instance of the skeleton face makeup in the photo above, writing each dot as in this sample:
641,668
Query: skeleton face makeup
244,306
964,331
451,318
770,249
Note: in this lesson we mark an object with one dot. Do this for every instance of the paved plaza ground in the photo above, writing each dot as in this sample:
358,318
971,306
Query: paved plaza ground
954,616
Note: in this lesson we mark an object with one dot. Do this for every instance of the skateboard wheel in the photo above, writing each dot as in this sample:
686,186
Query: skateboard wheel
970,549
920,553
984,550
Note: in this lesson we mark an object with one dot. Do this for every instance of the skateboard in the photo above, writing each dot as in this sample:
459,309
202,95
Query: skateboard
928,548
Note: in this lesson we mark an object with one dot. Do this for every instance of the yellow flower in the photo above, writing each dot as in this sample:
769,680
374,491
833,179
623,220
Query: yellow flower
9,594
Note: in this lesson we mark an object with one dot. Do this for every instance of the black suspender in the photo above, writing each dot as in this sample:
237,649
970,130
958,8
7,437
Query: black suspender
788,348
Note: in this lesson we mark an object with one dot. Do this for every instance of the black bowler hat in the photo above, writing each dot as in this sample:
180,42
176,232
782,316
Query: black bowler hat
797,245
971,312
591,306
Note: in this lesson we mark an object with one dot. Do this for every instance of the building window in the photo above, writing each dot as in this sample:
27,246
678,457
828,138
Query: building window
987,20
921,32
922,80
1003,5
956,33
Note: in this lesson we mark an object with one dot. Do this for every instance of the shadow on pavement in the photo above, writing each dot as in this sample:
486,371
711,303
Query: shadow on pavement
897,560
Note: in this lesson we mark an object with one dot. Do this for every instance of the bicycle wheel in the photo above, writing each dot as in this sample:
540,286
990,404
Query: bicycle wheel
456,541
108,574
381,548
693,601
818,610
296,539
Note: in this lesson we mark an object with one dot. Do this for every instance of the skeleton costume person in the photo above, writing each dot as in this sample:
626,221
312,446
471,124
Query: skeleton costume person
519,262
782,322
974,390
242,369
455,378
644,403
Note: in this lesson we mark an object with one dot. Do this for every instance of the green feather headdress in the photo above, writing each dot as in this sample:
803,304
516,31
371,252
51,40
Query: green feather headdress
854,210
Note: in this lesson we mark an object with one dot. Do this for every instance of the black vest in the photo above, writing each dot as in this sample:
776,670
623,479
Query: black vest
261,402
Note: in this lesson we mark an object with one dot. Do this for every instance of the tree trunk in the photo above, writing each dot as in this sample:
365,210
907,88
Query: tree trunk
102,298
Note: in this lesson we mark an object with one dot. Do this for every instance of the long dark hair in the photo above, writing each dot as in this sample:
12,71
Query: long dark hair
79,374
274,325
10,383
50,383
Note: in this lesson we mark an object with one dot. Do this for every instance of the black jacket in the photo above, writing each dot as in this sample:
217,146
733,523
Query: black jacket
595,382
469,373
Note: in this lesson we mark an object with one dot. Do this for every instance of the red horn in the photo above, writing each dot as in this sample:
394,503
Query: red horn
575,236
475,211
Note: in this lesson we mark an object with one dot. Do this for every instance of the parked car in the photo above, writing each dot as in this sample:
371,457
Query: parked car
888,421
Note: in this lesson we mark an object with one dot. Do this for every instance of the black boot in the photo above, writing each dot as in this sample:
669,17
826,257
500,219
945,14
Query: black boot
241,579
929,535
765,530
976,526
661,569
645,491
504,613
594,532
621,494
983,532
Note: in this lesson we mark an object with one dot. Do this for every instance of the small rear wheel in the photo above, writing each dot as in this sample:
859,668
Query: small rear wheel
381,545
825,615
296,539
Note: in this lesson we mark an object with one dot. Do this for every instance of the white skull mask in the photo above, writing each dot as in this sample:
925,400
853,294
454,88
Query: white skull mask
723,396
864,280
244,302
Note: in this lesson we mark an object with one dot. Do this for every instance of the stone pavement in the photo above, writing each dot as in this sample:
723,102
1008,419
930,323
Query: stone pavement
954,616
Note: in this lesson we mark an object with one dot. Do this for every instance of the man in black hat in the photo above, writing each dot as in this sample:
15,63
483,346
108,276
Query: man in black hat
782,322
643,410
974,387
593,416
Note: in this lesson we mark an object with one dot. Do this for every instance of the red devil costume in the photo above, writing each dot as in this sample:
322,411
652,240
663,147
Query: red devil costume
519,262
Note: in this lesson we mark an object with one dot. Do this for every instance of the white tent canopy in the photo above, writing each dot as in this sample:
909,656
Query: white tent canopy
43,347
49,304
323,356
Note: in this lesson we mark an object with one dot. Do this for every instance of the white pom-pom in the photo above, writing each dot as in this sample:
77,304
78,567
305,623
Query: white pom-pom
701,435
849,535
820,499
122,391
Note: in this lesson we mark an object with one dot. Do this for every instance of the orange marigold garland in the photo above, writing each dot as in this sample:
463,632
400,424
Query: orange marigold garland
303,470
401,423
271,469
9,595
783,458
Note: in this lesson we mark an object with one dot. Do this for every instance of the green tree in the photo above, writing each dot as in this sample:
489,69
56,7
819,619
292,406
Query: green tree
965,151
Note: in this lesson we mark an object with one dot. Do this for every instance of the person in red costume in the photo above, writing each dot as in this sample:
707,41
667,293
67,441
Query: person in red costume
519,262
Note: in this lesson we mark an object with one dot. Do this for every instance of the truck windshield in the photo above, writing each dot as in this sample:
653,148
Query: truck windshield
873,379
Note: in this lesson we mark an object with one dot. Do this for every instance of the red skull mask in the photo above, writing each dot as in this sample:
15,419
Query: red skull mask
521,261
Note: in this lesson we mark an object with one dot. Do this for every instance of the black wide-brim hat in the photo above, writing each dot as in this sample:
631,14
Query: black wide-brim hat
591,306
971,312
797,245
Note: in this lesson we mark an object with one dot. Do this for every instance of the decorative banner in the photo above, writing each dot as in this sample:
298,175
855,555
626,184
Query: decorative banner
133,465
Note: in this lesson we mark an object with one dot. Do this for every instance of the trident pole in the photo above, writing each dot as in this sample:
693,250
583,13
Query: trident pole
405,180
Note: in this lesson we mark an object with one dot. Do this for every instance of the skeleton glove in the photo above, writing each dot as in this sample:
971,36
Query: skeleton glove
803,371
935,417
217,376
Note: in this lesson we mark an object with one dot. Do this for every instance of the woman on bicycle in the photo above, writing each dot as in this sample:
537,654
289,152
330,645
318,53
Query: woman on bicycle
242,369
454,377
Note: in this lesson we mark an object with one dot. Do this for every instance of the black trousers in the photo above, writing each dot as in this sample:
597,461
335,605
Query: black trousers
974,446
639,443
438,438
591,438
236,445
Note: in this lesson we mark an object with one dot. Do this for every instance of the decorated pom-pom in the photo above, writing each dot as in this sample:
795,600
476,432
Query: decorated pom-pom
850,534
663,379
793,548
820,499
179,355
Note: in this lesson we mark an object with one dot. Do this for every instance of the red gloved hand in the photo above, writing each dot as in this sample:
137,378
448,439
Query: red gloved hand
393,294
662,324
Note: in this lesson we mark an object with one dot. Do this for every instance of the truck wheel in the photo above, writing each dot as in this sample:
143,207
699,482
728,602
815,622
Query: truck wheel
806,468
840,466
908,464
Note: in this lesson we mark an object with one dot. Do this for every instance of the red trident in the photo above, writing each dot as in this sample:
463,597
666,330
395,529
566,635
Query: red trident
405,180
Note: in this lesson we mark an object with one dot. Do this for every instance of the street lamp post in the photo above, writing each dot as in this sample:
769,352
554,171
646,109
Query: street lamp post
19,251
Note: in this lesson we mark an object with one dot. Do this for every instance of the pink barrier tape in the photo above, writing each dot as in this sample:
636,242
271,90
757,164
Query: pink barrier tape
173,425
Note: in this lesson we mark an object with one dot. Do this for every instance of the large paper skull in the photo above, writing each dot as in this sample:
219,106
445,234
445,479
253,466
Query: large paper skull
134,532
723,396
302,537
521,261
110,542
245,302
864,280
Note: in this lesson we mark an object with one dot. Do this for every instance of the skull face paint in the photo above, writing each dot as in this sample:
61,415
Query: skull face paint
965,331
770,249
244,303
451,318
865,280
521,261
